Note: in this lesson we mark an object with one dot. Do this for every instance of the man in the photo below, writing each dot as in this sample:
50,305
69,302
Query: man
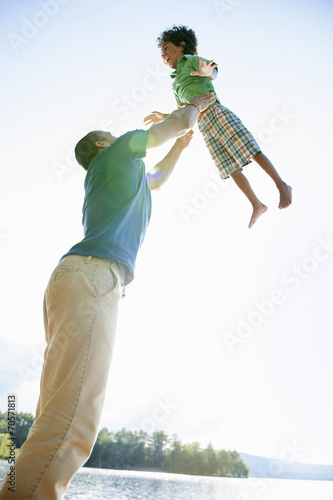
81,300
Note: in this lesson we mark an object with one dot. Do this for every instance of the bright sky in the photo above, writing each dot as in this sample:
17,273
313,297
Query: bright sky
226,334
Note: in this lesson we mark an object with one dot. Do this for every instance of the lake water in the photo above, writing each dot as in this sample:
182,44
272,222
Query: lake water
103,484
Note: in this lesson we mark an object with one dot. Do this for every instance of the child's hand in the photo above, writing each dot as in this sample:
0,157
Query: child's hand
205,69
154,117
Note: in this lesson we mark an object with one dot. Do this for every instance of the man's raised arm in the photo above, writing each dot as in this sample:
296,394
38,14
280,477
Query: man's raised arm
179,122
160,173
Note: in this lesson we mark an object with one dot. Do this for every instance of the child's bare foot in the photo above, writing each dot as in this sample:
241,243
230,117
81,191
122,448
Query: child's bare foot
257,211
285,196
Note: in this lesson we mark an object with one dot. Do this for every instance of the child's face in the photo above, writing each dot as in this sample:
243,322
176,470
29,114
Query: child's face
171,54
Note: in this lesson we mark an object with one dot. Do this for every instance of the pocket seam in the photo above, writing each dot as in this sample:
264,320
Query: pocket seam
115,281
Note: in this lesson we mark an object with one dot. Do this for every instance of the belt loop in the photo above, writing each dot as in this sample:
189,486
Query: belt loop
88,259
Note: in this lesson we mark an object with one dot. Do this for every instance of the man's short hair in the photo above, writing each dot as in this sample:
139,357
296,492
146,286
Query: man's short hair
179,34
86,149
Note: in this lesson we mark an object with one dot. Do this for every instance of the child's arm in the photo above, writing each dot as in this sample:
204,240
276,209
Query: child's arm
206,69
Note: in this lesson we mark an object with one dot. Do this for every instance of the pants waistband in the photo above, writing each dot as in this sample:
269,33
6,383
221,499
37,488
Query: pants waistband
122,268
119,268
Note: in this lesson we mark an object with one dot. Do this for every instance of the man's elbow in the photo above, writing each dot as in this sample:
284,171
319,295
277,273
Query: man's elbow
154,181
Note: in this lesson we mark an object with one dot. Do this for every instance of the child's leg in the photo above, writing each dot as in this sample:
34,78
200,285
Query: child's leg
243,184
285,190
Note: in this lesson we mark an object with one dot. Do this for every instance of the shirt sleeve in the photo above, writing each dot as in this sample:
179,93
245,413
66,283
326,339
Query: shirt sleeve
194,63
134,144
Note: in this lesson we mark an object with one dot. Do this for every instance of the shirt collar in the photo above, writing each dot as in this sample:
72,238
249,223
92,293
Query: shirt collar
182,60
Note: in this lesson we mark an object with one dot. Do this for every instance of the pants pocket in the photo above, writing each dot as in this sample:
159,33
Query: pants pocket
105,283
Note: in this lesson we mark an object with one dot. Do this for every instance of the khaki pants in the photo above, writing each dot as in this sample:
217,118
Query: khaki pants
80,316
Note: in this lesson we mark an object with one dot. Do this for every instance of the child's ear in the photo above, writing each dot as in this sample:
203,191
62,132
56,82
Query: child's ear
183,45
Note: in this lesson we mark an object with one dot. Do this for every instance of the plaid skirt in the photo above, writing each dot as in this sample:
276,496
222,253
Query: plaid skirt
230,144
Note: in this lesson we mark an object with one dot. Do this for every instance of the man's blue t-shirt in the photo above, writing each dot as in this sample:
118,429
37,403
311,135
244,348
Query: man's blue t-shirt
117,202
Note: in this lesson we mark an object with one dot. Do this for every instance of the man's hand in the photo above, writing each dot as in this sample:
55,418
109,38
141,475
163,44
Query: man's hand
203,100
205,69
185,140
155,117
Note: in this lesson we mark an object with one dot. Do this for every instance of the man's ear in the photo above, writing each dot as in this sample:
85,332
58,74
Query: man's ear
183,45
101,144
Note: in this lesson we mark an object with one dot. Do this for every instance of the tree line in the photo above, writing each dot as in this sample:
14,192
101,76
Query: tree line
138,450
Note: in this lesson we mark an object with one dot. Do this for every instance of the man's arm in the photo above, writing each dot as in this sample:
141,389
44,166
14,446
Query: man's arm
179,122
160,173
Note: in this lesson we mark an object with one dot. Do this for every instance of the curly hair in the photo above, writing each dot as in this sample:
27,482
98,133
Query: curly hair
86,149
179,34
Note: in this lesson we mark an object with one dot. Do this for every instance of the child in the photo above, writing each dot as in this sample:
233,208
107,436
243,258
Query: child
230,144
